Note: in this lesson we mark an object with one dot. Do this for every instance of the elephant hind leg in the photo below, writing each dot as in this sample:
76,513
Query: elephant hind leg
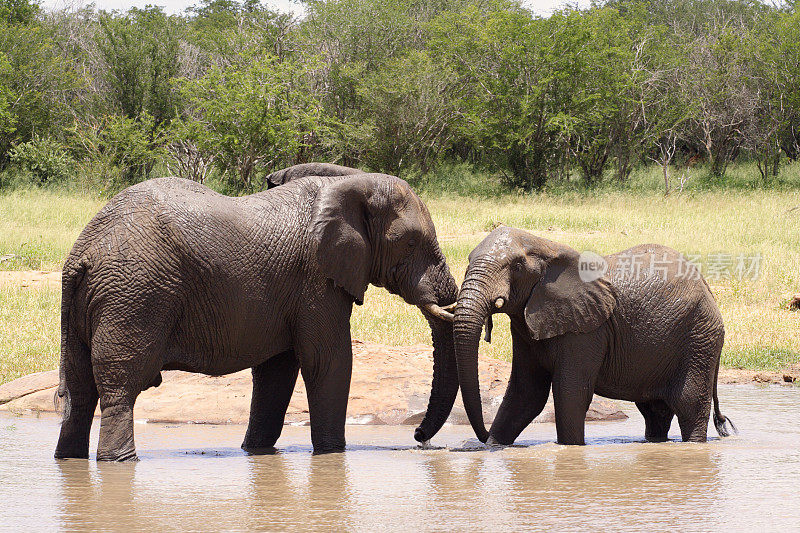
692,406
80,400
693,419
116,432
657,420
692,401
126,362
273,384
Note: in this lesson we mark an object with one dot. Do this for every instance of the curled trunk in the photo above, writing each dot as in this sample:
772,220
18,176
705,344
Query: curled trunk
470,315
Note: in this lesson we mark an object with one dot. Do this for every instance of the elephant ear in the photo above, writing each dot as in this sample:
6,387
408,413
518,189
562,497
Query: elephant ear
339,225
563,303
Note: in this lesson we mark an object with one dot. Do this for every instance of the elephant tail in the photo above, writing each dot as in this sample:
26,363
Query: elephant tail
721,421
75,355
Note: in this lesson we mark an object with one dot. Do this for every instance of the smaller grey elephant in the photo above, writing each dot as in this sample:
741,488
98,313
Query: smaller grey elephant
640,325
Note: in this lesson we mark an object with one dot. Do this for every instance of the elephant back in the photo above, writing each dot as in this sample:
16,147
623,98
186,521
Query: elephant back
660,291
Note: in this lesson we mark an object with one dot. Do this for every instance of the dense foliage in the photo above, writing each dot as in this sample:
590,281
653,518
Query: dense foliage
231,90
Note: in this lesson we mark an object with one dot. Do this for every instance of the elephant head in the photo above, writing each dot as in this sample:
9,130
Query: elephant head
519,274
372,228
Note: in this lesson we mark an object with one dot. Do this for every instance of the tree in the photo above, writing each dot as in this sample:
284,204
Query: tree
776,67
358,45
258,115
7,118
226,31
411,115
140,52
506,88
18,11
596,46
718,73
665,100
35,83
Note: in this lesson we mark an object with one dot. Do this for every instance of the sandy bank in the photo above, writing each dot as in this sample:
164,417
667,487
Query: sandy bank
390,385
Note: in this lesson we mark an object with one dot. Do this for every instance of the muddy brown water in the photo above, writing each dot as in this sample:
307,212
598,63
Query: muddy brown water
194,477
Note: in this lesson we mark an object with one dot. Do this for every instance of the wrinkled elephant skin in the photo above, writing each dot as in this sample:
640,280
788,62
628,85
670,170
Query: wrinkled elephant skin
647,335
171,275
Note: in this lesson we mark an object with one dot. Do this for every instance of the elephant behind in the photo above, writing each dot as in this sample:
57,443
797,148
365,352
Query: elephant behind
171,275
285,175
647,330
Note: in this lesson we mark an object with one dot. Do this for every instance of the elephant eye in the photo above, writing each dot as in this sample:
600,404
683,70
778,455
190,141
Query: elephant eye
517,266
412,243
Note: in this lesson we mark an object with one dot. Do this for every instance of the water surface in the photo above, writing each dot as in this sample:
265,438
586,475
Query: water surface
195,477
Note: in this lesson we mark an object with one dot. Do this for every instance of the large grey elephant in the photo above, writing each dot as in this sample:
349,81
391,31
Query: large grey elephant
640,325
171,275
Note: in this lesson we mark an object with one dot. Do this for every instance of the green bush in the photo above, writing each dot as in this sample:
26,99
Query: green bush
46,160
123,151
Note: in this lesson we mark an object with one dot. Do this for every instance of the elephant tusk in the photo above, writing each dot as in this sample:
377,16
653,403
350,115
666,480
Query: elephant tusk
450,308
500,302
438,312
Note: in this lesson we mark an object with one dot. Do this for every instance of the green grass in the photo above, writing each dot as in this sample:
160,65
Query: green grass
39,227
29,330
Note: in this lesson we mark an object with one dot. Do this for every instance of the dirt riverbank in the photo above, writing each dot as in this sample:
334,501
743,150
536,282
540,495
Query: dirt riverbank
390,385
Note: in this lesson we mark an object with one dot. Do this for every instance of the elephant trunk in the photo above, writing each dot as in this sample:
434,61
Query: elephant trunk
471,312
445,377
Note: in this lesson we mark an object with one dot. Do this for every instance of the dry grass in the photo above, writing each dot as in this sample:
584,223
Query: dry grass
39,227
29,330
760,332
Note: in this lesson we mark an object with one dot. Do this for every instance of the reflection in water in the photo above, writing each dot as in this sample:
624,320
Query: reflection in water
319,500
328,492
648,484
272,492
196,478
98,502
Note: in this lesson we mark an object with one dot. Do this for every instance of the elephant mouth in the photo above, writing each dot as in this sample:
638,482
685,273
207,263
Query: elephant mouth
442,313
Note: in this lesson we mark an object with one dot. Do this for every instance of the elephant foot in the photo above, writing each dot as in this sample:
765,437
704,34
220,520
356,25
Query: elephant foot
571,442
63,456
259,450
254,442
325,450
123,457
71,452
492,442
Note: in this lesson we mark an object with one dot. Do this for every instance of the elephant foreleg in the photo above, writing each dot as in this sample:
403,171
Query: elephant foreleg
273,384
326,361
579,360
525,397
